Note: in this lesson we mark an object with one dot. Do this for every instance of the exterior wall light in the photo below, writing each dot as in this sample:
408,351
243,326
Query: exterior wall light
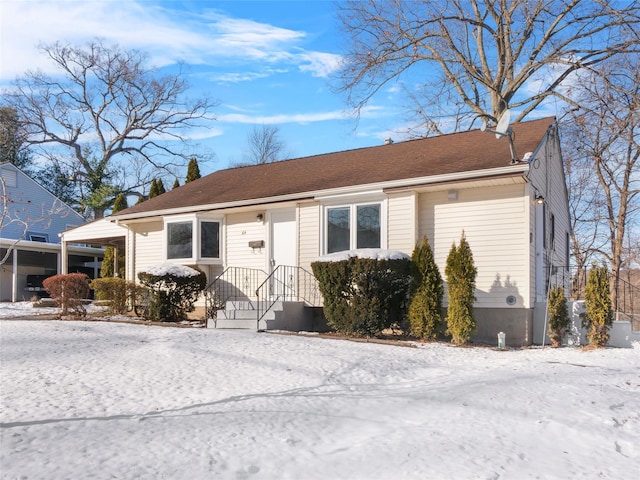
539,199
259,218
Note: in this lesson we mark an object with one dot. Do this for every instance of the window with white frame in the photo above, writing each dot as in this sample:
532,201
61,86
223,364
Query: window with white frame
209,239
353,226
193,239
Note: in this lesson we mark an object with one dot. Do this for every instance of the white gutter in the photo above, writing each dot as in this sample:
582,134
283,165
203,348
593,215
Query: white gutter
351,189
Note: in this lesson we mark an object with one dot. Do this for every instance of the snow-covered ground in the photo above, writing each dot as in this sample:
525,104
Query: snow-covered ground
22,309
106,400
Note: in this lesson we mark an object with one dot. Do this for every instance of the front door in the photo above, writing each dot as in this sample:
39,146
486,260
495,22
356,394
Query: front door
283,253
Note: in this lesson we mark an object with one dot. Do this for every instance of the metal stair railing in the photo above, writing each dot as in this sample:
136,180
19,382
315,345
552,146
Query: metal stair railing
287,283
236,285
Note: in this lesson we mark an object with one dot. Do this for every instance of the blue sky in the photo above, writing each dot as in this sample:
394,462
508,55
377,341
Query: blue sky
266,62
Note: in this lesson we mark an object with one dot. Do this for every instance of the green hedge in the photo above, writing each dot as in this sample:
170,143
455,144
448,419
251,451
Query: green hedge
364,296
117,290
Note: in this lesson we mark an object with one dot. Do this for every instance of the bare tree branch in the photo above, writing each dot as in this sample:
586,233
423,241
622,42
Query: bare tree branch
492,54
264,145
105,105
608,136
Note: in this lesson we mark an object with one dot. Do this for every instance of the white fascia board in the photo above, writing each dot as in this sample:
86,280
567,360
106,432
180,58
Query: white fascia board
333,192
48,247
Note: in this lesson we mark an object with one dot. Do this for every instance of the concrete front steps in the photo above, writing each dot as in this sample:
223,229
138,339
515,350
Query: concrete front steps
288,316
291,316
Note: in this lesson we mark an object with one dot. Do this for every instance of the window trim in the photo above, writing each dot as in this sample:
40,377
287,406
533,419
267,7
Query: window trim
196,238
353,221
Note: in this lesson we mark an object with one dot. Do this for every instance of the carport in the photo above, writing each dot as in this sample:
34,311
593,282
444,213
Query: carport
28,258
97,234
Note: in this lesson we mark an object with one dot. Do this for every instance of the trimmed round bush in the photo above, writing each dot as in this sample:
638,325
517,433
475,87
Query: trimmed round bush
365,291
174,290
68,291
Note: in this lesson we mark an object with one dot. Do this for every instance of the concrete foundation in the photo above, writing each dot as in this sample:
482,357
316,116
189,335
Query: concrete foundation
516,323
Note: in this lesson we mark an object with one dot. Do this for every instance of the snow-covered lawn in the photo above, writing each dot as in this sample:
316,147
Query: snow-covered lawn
105,400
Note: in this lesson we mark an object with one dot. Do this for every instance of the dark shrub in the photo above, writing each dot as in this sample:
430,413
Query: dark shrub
363,296
68,291
174,290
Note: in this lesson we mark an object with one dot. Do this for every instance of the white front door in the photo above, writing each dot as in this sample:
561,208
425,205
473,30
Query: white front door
283,252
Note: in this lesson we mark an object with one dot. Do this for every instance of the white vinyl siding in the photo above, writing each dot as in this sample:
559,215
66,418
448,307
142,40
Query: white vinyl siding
496,226
240,229
401,218
308,234
150,245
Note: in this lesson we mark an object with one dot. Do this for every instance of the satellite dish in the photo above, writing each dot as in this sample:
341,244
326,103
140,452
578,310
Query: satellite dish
502,129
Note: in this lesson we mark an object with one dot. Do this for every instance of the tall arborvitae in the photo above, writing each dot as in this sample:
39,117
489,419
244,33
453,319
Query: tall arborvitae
599,313
120,203
461,275
558,313
425,318
176,184
106,270
161,188
153,190
193,170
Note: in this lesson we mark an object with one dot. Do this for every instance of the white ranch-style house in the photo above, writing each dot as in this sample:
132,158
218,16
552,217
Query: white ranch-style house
30,229
241,225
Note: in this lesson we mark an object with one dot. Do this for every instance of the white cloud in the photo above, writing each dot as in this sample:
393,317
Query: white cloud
282,118
320,64
169,36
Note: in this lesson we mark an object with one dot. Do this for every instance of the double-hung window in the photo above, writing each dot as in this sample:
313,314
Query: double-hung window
353,226
193,239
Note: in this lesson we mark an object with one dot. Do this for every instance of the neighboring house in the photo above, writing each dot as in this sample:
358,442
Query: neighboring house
34,218
247,220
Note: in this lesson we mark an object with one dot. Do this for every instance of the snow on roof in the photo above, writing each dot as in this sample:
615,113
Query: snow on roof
373,253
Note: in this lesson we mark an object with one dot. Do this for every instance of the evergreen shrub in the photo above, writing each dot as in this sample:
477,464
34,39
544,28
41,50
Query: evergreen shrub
174,291
116,290
364,296
68,291
461,273
425,307
599,313
559,320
